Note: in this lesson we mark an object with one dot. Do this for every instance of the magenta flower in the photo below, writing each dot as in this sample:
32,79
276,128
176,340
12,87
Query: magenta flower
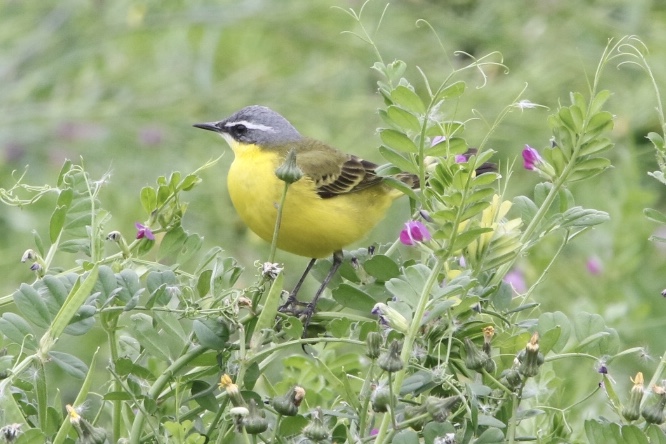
414,232
531,158
461,158
144,231
594,266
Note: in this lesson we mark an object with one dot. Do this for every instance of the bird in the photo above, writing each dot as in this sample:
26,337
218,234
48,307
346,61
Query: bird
337,201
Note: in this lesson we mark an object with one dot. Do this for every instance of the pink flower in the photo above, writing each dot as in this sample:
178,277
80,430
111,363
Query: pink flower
414,232
531,158
144,231
461,158
516,279
594,265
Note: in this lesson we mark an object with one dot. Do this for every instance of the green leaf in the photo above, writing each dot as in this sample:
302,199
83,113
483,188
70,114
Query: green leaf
202,393
398,160
57,222
408,99
397,140
148,336
354,298
595,146
655,434
252,374
555,320
190,181
657,140
211,333
467,237
203,283
453,91
407,436
64,170
434,430
381,267
403,118
70,364
492,435
598,101
172,242
582,217
148,199
31,304
128,281
655,215
17,329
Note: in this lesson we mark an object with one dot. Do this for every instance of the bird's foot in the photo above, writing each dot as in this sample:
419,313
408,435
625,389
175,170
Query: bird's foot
291,306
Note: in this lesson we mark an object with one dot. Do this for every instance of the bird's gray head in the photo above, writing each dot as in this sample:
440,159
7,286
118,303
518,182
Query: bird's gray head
255,124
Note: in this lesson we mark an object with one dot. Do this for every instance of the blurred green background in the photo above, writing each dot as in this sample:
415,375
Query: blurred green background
119,84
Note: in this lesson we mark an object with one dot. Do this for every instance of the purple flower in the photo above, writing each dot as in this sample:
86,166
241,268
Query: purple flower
594,266
516,279
414,232
144,231
437,139
531,158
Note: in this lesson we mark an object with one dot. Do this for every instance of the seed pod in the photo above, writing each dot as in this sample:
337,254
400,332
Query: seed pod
631,410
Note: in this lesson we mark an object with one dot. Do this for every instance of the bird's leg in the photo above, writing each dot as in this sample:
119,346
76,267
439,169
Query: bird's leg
309,310
291,300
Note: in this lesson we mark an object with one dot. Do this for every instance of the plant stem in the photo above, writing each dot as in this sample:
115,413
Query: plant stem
410,339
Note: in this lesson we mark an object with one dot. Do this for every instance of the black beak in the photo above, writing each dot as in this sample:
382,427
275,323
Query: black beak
210,126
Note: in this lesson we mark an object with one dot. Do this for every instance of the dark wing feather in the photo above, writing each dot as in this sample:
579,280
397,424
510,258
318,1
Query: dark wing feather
355,174
334,172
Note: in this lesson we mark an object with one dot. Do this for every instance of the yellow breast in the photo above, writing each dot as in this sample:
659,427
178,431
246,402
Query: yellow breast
310,226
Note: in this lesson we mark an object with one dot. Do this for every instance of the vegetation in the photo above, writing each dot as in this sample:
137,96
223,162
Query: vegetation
517,305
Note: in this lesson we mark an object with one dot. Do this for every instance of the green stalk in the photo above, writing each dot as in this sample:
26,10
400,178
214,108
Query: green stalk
409,341
158,386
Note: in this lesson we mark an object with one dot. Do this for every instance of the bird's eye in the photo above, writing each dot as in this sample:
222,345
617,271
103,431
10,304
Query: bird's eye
240,129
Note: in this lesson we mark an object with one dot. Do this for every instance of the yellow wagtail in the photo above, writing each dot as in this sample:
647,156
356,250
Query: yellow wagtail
339,199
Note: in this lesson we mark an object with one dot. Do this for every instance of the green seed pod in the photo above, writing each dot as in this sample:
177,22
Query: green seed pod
530,358
288,404
381,399
440,408
373,344
87,433
289,171
475,359
631,410
511,378
255,421
390,361
316,430
653,411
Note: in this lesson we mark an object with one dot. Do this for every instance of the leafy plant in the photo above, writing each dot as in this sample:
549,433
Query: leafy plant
422,340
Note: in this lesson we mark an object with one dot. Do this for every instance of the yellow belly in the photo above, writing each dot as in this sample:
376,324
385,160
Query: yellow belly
310,226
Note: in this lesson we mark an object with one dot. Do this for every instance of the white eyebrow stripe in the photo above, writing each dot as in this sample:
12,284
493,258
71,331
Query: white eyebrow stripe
250,125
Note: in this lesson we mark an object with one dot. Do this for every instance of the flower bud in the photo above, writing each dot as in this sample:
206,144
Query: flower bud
232,391
391,317
511,378
238,413
255,421
373,344
29,255
390,360
10,432
316,431
117,237
440,408
87,433
475,359
631,409
530,358
289,171
653,411
288,404
416,411
381,399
